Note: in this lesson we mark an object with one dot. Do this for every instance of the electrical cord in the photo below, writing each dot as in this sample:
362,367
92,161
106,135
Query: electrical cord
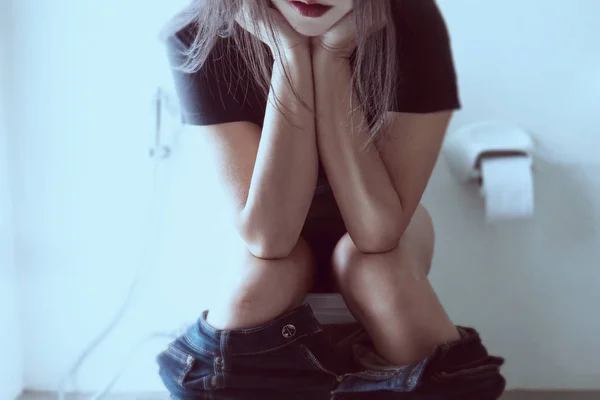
99,395
123,309
158,153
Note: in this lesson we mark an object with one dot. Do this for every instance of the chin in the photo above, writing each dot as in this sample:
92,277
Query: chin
311,31
311,27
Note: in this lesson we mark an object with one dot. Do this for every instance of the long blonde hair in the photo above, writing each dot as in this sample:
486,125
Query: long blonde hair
375,75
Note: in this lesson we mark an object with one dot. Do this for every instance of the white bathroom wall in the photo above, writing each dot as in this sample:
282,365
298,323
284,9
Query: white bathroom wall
85,81
86,72
531,288
11,368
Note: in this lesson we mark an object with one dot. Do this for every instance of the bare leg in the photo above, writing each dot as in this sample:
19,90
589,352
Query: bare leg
390,295
261,290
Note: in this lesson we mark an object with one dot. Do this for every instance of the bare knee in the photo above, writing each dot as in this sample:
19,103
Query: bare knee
414,252
257,290
420,241
421,225
354,270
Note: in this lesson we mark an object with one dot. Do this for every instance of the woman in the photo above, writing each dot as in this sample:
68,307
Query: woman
325,120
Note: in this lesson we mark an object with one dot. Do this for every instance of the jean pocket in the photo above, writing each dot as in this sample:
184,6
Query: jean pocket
181,369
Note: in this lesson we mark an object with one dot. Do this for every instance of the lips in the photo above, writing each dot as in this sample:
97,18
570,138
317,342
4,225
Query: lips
313,10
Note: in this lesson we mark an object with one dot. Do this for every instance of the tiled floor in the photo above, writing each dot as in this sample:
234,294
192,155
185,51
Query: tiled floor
159,396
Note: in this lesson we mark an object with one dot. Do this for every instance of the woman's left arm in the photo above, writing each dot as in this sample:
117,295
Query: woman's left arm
377,189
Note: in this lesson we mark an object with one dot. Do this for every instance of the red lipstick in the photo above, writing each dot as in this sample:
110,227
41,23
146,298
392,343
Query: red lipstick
313,10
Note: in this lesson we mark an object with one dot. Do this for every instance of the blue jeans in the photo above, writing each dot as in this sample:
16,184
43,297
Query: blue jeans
295,353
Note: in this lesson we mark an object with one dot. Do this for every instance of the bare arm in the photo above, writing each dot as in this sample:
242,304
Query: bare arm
377,190
362,187
271,175
410,154
285,171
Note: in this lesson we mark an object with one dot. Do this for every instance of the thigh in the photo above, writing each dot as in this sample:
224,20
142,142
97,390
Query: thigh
323,229
244,279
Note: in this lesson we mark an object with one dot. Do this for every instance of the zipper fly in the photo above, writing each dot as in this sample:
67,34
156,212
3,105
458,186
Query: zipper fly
318,364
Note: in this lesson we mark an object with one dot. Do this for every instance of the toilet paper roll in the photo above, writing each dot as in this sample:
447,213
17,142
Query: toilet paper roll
507,186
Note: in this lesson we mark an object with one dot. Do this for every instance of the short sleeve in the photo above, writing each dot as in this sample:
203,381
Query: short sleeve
427,79
220,91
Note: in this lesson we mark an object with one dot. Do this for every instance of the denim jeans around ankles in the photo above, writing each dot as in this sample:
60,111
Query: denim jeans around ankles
296,353
288,353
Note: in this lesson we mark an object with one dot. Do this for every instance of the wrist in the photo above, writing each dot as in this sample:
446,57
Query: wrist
321,50
295,64
328,65
322,55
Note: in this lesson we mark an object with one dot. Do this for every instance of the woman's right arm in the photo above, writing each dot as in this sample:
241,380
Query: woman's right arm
271,175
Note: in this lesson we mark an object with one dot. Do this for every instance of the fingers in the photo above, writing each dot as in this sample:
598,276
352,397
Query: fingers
272,29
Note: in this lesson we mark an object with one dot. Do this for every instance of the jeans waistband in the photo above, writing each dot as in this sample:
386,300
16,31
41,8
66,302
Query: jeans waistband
286,329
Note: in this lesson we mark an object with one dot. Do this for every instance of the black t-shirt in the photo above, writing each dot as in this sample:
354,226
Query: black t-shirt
222,92
218,93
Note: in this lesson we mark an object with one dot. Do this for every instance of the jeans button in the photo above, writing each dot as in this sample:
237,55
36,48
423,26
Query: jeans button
288,331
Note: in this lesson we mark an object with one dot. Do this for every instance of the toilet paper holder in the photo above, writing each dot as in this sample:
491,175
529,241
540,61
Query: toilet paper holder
466,148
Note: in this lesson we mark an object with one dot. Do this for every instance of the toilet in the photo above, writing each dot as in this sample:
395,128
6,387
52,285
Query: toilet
329,308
